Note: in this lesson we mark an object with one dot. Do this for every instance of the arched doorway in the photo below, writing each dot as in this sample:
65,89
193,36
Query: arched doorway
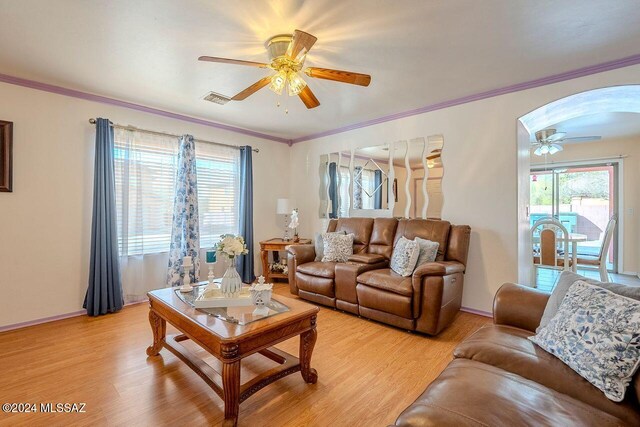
616,99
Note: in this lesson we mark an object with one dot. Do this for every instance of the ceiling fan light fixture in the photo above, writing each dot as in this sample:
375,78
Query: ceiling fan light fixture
278,82
296,83
554,148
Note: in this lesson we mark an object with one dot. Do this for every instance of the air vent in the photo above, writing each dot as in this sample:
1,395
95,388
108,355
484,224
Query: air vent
216,98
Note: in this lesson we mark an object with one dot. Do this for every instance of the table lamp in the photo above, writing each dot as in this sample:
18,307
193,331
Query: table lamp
285,207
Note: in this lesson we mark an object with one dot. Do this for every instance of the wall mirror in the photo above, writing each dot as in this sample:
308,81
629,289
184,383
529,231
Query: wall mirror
432,186
335,182
371,178
418,171
402,179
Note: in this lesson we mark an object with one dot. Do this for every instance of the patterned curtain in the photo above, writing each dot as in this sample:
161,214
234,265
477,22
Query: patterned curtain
185,233
357,187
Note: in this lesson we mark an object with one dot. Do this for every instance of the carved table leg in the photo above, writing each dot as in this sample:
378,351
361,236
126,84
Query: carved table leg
264,254
307,342
159,328
231,390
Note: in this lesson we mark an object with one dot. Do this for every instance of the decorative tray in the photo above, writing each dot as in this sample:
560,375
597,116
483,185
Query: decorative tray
213,297
241,315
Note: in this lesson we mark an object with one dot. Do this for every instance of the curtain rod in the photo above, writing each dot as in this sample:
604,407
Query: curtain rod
137,129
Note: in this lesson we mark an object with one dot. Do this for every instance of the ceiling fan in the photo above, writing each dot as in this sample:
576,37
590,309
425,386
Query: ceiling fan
548,141
287,53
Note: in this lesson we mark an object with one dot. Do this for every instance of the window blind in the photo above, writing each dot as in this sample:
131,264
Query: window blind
145,169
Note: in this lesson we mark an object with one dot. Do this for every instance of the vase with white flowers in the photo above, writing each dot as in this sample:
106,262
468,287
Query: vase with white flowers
230,247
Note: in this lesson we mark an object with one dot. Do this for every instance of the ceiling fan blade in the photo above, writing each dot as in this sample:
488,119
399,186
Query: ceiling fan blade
339,76
300,44
308,98
435,154
252,89
232,61
583,138
555,136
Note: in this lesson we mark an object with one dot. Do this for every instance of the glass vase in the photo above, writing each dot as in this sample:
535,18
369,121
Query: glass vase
231,283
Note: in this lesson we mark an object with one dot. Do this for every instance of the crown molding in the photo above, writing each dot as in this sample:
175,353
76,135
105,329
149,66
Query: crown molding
556,78
18,81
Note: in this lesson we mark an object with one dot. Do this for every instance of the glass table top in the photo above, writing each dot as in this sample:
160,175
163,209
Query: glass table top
239,315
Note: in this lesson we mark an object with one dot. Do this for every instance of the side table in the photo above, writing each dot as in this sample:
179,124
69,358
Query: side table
275,245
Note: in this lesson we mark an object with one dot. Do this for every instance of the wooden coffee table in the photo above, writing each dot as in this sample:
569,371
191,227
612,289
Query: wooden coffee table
232,342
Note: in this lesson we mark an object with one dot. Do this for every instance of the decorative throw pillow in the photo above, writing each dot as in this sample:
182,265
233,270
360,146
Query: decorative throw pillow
597,334
319,244
404,257
337,247
567,279
428,250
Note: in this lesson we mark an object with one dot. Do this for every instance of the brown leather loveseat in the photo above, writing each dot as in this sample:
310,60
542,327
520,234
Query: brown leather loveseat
500,378
426,302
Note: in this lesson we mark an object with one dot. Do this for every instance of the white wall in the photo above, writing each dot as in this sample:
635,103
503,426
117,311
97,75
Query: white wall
45,223
480,182
608,148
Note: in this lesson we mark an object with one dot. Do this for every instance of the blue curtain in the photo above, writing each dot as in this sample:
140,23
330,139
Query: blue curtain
104,291
377,181
185,233
333,189
246,213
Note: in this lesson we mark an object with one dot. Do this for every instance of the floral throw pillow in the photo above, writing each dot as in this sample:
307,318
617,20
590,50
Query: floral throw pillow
597,334
337,247
428,250
404,257
319,244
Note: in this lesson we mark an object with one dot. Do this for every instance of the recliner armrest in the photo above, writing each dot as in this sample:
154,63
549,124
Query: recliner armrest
438,268
519,306
297,255
302,253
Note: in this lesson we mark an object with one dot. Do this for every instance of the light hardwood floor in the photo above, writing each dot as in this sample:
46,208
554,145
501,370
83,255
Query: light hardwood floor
367,374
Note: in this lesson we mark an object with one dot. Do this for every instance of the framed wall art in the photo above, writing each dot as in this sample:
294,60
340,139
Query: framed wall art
6,156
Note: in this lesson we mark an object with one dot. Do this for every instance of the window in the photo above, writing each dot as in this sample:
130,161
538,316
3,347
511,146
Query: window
145,168
345,199
368,185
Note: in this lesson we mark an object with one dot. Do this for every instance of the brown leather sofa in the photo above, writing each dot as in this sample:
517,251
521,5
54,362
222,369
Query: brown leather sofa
426,302
500,378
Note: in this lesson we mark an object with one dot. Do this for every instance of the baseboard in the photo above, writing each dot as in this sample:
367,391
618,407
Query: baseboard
83,312
40,321
630,273
54,318
478,312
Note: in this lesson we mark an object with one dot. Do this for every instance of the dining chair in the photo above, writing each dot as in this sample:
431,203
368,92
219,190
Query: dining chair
547,255
601,260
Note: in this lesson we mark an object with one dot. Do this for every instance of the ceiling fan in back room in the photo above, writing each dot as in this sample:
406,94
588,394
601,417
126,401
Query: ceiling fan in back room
287,53
549,141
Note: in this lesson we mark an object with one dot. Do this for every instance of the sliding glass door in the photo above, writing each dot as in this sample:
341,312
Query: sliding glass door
583,198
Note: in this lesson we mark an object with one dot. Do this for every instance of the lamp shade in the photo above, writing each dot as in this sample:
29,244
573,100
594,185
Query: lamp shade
284,206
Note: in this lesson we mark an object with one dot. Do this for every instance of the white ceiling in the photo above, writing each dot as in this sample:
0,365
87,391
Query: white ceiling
606,125
418,52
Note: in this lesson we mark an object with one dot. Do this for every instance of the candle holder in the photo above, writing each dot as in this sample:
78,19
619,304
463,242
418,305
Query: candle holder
186,280
211,260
